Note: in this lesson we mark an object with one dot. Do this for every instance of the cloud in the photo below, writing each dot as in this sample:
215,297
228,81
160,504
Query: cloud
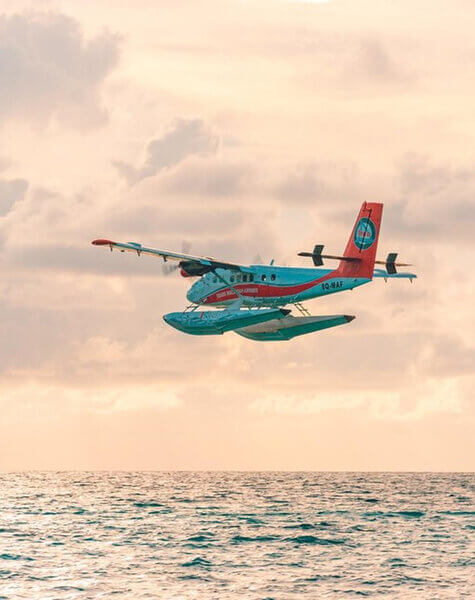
48,69
302,184
52,231
373,61
46,216
423,398
85,259
186,137
326,184
448,356
210,179
119,399
309,113
156,221
11,190
434,198
4,163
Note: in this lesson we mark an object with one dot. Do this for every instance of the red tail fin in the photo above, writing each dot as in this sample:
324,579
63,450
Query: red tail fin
363,242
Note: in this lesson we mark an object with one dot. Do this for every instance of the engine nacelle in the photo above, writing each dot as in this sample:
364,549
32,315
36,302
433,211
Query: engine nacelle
190,268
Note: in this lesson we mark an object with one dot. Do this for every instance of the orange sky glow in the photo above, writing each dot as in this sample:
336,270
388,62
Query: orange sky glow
243,129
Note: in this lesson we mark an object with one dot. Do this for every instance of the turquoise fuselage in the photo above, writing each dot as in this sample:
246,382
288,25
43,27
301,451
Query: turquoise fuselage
269,285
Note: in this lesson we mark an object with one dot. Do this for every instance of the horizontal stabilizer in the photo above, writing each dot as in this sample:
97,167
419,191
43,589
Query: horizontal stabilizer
216,322
318,257
289,327
391,264
394,275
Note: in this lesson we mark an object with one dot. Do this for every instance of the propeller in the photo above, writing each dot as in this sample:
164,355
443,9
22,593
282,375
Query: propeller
169,268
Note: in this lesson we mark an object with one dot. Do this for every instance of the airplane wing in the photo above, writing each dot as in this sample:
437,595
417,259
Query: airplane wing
192,264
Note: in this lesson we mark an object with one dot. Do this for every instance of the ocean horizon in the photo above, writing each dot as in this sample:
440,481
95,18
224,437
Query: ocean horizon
236,534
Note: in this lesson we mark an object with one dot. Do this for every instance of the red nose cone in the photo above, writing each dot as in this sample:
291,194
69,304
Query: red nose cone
101,242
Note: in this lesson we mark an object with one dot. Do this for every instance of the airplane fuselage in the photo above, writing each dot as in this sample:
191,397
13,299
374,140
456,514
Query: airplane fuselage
255,297
269,285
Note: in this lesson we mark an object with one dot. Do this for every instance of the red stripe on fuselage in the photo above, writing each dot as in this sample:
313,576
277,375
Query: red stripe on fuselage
264,290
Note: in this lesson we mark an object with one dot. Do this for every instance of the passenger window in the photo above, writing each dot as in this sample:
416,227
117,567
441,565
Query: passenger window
251,277
232,278
244,277
263,277
273,276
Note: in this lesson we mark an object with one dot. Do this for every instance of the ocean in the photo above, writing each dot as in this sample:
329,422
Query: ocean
222,535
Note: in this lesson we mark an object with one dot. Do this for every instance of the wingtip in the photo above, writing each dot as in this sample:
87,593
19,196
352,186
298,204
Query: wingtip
349,318
102,242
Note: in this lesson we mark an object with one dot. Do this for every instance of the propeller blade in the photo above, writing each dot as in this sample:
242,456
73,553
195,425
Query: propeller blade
168,267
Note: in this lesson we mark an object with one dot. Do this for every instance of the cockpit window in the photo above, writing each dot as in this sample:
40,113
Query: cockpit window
232,278
263,277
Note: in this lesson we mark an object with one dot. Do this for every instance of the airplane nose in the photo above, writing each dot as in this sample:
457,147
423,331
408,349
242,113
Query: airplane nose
191,295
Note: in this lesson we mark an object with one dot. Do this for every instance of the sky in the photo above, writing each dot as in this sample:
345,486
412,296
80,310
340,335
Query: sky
243,129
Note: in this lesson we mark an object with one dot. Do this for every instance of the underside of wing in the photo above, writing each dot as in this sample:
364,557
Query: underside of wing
190,264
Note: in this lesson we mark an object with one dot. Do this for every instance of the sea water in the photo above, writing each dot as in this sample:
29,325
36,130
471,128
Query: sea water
187,535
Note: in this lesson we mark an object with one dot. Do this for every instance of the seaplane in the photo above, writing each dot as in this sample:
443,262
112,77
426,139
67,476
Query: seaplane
253,300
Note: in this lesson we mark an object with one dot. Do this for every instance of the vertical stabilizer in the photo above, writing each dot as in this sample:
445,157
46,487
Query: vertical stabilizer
363,242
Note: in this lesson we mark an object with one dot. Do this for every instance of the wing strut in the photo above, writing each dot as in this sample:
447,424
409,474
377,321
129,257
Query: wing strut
238,294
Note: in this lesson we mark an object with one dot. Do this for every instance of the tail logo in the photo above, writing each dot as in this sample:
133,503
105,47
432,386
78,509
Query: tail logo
365,234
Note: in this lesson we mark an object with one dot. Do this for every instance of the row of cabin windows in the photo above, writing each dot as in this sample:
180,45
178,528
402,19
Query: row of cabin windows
246,277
